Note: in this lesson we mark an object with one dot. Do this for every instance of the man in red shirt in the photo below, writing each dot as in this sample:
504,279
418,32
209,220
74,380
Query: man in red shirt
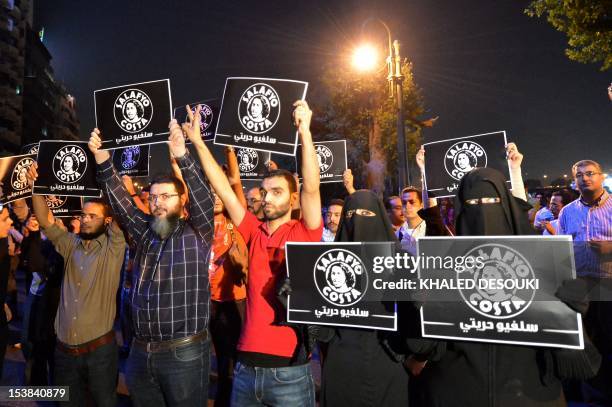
270,371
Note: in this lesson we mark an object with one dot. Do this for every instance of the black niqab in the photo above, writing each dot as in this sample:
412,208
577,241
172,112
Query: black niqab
355,227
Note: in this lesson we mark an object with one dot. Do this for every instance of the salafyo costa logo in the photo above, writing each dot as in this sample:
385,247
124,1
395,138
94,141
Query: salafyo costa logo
340,277
259,108
325,157
462,157
247,159
133,110
130,157
504,283
69,164
19,180
55,201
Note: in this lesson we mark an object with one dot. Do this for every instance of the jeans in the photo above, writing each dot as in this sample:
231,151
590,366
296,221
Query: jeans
282,386
177,377
97,369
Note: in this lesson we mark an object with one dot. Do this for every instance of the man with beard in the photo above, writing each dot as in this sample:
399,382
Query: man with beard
332,220
272,368
170,355
86,351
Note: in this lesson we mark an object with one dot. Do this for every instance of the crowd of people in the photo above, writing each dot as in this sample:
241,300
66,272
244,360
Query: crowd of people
198,264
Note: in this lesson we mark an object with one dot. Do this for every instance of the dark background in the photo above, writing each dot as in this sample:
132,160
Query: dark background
483,65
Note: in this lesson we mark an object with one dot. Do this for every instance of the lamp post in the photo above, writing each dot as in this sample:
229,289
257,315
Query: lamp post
395,78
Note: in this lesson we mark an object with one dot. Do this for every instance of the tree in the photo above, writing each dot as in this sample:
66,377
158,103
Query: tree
586,23
360,110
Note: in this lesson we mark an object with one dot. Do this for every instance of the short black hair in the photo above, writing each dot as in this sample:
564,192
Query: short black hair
287,175
337,202
415,190
106,208
168,179
388,200
565,196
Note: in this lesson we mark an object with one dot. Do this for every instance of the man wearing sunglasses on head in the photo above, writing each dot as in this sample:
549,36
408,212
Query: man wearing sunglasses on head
86,351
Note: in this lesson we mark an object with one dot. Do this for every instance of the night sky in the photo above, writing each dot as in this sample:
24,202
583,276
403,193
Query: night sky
482,65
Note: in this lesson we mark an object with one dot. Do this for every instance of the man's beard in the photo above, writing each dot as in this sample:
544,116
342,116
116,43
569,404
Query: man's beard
92,235
277,213
164,226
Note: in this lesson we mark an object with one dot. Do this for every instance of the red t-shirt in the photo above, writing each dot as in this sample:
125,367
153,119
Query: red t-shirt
266,264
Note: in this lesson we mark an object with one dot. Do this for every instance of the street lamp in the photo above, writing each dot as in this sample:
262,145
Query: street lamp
364,58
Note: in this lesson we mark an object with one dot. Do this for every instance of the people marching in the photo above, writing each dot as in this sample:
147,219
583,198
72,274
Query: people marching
198,263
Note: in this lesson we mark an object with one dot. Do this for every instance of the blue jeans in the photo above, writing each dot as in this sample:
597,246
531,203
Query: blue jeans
178,377
281,386
96,370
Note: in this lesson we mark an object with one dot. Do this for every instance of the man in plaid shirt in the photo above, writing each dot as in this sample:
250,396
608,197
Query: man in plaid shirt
169,359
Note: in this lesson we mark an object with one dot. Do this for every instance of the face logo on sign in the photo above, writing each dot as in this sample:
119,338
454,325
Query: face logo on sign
133,110
130,157
55,201
462,157
206,117
18,178
324,157
259,108
340,277
33,149
504,285
69,164
247,159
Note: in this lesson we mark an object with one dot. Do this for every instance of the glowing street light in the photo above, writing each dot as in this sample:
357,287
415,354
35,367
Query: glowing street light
365,58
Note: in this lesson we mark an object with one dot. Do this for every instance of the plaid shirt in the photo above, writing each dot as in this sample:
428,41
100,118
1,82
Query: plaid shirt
170,292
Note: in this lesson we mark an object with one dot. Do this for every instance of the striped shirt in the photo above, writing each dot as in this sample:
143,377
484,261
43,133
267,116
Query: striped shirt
170,291
586,224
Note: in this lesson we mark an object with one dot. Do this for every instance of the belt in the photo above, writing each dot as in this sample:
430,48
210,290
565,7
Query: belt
162,346
87,347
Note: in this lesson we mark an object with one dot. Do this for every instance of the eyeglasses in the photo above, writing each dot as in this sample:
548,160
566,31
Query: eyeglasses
160,198
588,174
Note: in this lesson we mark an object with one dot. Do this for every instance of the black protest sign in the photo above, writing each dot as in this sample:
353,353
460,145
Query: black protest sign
132,161
505,294
257,113
61,205
447,161
31,148
336,284
209,115
13,181
253,164
133,115
66,168
331,156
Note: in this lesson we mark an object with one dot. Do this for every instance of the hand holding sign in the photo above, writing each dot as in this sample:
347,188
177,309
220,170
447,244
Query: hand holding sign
420,159
94,144
192,127
302,116
176,141
32,174
514,157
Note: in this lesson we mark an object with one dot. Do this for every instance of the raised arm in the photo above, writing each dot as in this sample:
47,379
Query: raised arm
233,174
310,196
515,158
133,219
201,202
41,210
127,182
213,171
420,160
348,181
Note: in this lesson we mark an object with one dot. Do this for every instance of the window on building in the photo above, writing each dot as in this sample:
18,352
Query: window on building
44,131
10,4
11,24
18,90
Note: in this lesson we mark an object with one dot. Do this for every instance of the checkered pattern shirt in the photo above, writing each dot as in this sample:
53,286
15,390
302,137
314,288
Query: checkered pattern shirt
170,291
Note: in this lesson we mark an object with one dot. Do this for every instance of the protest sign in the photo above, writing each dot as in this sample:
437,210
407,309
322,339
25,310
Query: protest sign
209,115
257,113
498,289
13,181
135,114
335,284
331,156
132,161
66,168
447,161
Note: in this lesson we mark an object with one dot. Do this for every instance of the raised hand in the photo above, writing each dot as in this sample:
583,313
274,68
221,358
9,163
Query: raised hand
347,179
515,158
192,127
32,174
94,144
302,116
176,140
420,159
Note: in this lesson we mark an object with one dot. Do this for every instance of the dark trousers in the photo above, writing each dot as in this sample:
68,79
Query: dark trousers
226,320
96,371
174,378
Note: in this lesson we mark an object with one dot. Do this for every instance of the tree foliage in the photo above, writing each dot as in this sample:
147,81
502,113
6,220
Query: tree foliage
586,23
359,108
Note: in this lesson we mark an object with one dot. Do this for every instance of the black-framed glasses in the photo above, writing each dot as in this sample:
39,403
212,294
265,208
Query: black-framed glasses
588,174
161,197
